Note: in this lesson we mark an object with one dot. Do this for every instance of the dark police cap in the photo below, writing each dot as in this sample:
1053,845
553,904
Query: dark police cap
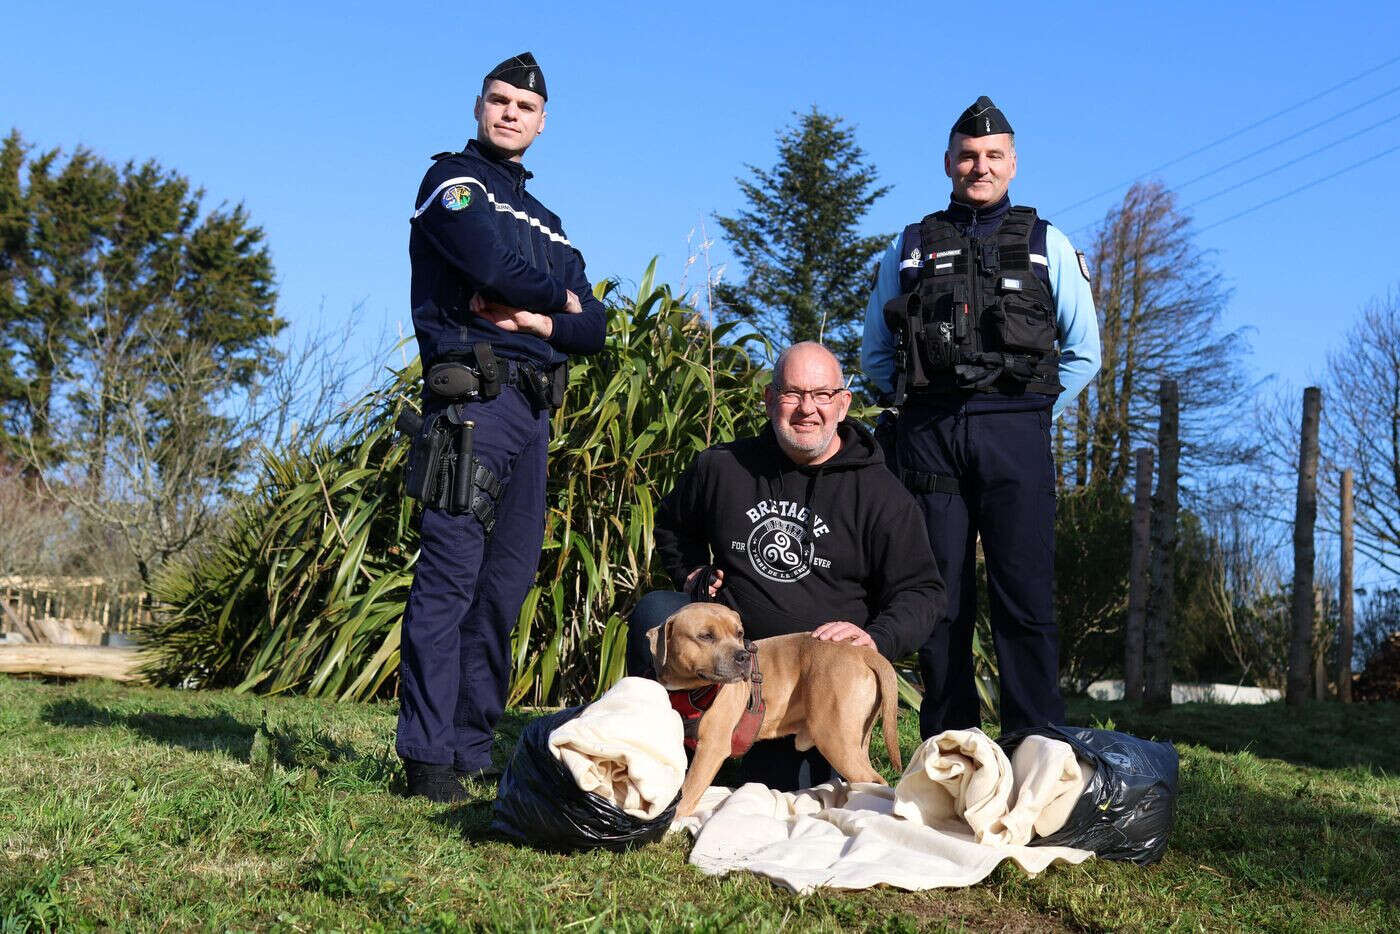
983,118
521,71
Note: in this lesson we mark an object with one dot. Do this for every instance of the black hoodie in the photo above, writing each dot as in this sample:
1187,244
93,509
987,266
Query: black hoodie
802,546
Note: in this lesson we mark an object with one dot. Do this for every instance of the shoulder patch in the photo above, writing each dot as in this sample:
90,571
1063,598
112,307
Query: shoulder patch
1083,267
459,196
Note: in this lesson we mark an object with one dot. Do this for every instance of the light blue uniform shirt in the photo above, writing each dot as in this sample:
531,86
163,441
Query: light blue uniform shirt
1075,318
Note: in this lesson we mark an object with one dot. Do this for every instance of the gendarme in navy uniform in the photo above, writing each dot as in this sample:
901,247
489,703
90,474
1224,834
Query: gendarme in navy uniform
500,302
981,329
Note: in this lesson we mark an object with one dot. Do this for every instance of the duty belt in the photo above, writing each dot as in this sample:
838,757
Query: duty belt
480,376
918,481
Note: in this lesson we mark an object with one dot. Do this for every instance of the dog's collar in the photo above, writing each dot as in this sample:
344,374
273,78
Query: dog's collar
692,704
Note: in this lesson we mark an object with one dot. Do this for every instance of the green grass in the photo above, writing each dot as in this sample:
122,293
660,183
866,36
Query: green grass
158,809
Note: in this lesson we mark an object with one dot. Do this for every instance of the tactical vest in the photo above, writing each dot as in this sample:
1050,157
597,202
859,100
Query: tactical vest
979,318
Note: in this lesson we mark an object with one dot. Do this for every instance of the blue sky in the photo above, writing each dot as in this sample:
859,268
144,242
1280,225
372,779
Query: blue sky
320,117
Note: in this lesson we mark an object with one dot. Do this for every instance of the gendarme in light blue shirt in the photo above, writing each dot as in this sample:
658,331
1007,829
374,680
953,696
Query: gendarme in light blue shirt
1075,318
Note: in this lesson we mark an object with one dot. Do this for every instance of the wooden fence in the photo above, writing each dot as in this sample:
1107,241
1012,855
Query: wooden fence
69,610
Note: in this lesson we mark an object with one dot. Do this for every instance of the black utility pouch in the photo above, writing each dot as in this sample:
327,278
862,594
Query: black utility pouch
427,459
534,385
453,380
558,385
1021,325
886,433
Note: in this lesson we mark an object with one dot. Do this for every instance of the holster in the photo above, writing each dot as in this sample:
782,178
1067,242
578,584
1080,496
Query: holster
427,454
545,388
886,432
442,471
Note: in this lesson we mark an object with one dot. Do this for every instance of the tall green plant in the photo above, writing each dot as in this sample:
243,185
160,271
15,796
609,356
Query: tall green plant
668,387
305,591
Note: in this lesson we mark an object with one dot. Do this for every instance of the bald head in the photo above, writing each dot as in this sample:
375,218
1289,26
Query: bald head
806,402
808,356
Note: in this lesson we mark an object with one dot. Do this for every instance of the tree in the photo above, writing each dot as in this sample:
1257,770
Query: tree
1159,299
137,331
1361,429
807,269
1248,593
1091,595
52,238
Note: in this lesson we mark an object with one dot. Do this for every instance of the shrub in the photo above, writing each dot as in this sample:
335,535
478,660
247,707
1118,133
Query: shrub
305,590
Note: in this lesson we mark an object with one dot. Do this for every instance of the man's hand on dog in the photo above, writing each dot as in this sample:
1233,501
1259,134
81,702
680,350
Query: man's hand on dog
842,631
519,319
714,584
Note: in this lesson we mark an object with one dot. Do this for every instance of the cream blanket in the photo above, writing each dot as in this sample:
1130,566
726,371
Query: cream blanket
960,809
961,779
627,747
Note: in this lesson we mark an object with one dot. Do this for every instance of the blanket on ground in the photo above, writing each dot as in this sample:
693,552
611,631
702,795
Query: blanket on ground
961,779
960,810
627,747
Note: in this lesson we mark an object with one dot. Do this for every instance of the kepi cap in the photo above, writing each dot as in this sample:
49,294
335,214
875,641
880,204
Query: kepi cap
983,118
521,71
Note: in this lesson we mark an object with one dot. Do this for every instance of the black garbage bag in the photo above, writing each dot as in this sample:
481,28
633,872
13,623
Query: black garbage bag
539,803
1127,807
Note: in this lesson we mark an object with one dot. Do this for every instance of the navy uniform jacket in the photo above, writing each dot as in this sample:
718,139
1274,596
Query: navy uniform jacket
1054,261
476,229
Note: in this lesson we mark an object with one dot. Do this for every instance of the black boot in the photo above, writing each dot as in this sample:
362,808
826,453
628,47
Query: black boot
490,775
434,782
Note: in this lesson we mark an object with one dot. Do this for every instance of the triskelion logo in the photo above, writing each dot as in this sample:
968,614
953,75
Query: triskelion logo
776,545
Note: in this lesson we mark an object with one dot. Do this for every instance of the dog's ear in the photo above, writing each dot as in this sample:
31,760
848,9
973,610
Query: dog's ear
659,637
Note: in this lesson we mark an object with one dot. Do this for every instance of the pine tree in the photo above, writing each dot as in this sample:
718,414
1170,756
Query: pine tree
102,269
807,269
134,328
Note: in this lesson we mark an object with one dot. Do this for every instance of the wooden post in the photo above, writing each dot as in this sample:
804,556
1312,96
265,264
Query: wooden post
1346,624
1300,649
1157,665
1137,576
1319,649
1081,442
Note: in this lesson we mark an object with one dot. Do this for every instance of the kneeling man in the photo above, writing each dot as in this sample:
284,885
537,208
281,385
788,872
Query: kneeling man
799,529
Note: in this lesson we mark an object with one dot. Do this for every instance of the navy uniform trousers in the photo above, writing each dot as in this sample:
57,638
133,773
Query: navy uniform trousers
466,595
1003,462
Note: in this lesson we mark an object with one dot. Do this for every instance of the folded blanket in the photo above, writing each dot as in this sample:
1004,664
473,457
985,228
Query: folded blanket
960,809
627,747
1049,780
962,778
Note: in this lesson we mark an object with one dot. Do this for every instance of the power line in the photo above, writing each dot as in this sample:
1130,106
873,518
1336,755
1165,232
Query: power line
1229,136
1304,187
1278,168
1291,162
1287,139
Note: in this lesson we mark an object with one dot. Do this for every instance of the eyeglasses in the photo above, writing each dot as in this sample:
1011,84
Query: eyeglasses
819,396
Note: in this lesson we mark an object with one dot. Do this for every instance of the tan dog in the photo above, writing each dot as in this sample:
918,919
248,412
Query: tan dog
827,694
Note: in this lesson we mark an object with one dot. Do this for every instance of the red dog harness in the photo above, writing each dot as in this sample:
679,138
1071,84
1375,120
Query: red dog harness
691,705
